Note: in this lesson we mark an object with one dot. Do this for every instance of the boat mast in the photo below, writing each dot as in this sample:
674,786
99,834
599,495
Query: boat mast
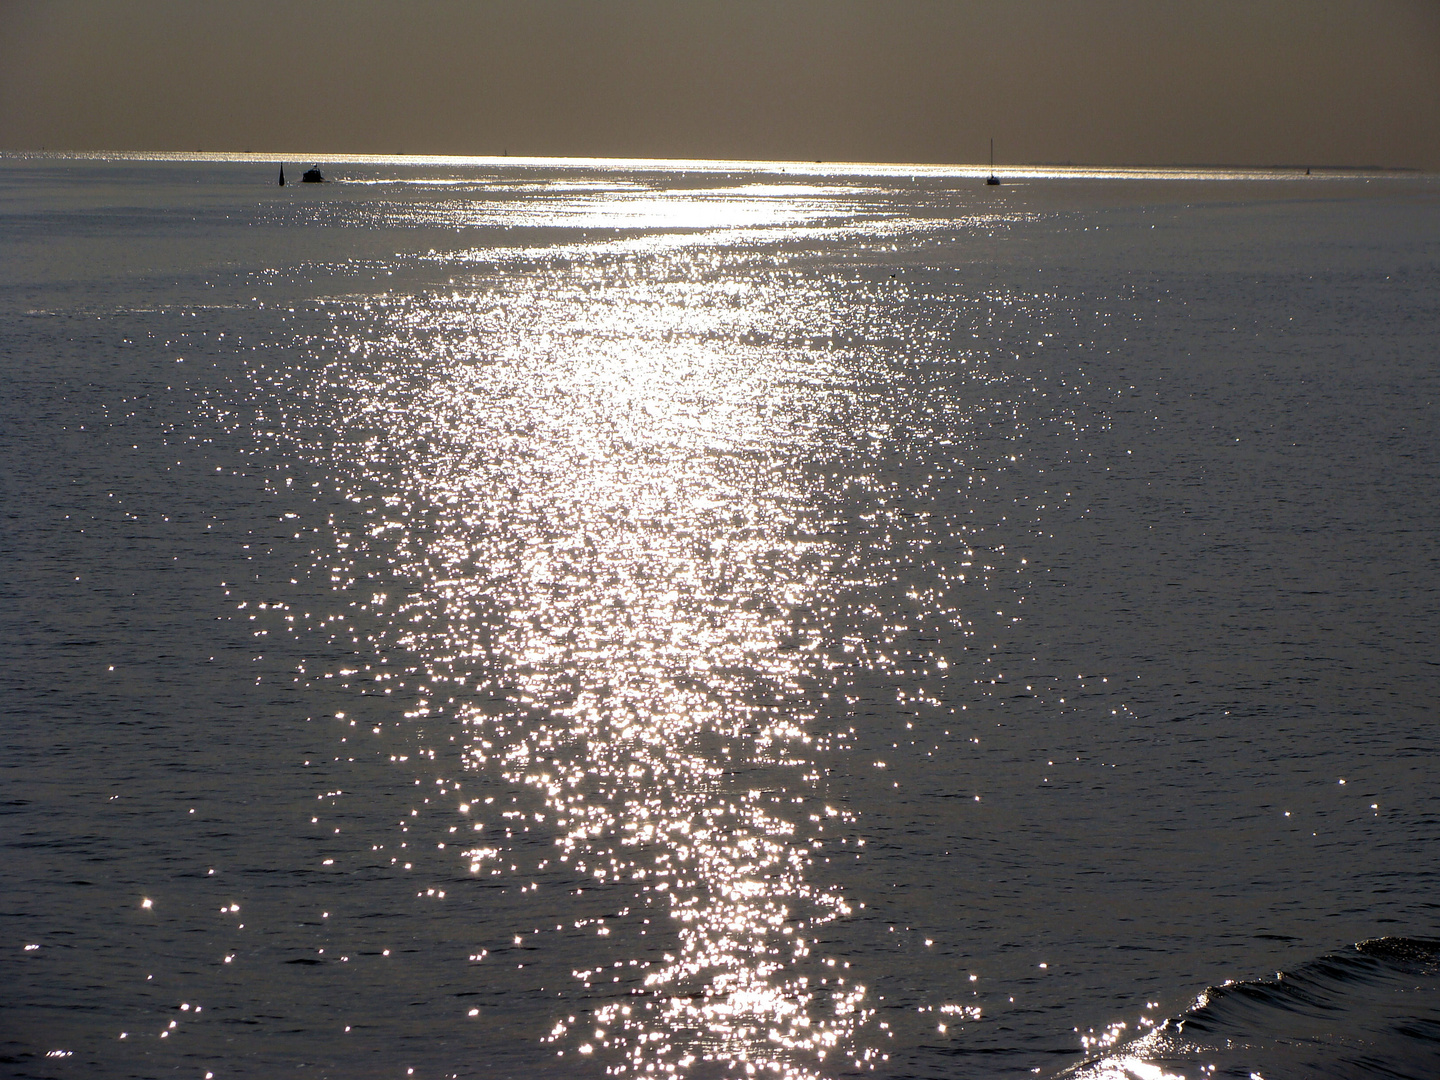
992,179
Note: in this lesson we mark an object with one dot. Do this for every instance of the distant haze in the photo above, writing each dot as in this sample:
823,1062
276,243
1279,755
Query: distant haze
1257,82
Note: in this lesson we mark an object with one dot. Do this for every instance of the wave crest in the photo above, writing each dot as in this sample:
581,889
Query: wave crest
1372,1010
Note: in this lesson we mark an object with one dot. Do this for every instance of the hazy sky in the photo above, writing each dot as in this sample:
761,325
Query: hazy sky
1098,81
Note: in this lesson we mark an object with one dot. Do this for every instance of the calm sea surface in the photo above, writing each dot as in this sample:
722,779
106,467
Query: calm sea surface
611,619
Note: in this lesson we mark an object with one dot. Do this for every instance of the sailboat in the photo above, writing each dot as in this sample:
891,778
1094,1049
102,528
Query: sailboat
282,175
992,179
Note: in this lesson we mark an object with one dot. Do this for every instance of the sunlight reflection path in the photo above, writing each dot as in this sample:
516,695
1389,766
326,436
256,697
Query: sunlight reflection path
587,479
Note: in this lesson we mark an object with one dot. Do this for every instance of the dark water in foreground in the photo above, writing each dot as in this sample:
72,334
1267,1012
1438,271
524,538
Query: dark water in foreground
512,620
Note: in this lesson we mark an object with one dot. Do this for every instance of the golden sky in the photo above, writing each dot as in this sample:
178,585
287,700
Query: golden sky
1257,82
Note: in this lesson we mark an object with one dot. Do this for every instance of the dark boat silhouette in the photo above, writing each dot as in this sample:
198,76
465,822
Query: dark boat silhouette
992,179
282,175
312,176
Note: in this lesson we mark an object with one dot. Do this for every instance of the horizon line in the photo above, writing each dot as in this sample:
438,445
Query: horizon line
1034,169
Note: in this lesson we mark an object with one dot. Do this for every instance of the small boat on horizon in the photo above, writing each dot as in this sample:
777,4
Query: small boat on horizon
992,180
282,175
312,176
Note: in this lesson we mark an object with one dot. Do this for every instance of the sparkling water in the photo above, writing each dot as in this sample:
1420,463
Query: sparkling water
513,619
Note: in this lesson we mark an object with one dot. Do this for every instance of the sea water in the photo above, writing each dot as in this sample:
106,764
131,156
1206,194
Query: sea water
514,619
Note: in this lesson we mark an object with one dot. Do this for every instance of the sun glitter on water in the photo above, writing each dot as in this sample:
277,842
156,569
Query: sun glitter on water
612,553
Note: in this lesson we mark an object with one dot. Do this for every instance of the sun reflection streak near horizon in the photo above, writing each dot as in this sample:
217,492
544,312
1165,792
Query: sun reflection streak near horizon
601,518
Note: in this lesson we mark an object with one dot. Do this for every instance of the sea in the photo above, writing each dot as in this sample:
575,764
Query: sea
510,618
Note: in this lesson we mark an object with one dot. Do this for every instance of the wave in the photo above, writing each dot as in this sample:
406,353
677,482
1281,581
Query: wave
1372,1010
